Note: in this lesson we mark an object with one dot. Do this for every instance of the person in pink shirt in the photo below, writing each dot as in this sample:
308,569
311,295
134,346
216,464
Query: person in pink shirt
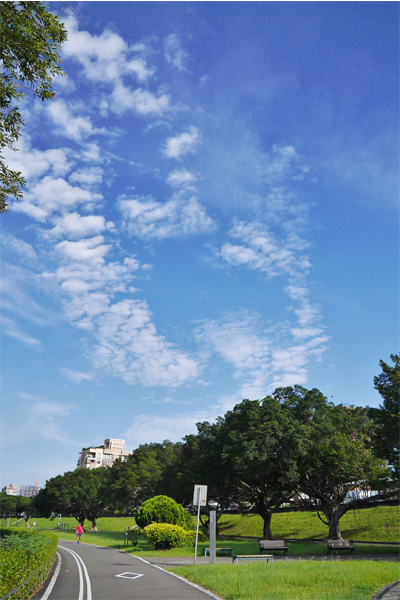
79,531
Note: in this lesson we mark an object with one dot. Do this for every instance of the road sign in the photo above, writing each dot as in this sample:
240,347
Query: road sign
200,492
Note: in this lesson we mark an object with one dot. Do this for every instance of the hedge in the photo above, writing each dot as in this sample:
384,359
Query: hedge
22,554
164,536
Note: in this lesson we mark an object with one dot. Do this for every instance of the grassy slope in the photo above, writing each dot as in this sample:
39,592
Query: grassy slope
373,524
300,580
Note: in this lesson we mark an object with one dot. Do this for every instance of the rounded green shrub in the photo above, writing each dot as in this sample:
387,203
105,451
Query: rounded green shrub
160,509
164,536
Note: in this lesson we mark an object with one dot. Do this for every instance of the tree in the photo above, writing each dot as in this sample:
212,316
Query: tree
83,494
30,41
15,506
386,417
160,509
201,463
337,467
149,471
259,451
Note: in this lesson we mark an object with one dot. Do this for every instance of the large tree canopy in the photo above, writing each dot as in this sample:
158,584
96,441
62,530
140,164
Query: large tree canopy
336,462
386,417
83,494
259,453
149,471
30,41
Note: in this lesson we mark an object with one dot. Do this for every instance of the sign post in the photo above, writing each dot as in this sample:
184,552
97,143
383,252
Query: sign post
213,536
199,499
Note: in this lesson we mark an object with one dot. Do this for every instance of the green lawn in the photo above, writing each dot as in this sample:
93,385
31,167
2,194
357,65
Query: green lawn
380,523
373,524
294,580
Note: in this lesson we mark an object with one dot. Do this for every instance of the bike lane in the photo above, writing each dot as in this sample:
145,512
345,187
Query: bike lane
90,572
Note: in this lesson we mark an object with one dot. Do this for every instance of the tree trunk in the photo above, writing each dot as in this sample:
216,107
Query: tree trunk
333,515
8,521
94,526
267,533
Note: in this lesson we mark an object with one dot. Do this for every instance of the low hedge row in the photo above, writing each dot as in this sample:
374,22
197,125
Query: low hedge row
22,553
164,536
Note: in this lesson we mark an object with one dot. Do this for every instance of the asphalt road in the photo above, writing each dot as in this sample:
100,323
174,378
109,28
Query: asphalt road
87,572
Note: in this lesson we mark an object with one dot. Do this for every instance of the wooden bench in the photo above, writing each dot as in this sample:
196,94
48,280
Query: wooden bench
246,557
228,550
268,545
339,545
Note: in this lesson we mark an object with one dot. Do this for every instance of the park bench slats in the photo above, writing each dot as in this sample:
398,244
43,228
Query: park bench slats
228,550
268,545
249,557
340,545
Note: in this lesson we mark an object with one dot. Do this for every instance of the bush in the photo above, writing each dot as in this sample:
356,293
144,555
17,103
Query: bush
164,536
23,553
160,509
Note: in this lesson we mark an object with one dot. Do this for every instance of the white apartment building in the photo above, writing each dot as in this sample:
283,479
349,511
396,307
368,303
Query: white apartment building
102,456
10,490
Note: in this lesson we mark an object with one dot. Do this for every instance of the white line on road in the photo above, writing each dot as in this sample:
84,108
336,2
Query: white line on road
178,577
53,579
80,562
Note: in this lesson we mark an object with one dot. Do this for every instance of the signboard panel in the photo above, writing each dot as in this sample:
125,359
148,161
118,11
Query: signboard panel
203,495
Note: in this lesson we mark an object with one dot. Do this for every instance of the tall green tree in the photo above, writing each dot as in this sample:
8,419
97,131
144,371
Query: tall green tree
259,452
15,506
149,471
30,42
83,493
387,416
201,463
336,466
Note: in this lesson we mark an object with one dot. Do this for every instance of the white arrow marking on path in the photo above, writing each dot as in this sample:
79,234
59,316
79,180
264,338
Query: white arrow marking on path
128,575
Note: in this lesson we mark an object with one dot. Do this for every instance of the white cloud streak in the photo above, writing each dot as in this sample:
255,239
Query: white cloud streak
148,218
182,144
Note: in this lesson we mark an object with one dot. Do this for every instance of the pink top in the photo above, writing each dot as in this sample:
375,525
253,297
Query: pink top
79,529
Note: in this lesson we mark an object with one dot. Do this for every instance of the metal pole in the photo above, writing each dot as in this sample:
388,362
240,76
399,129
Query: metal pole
213,537
198,519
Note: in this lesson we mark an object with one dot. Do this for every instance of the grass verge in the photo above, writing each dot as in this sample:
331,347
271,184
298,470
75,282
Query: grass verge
289,580
380,523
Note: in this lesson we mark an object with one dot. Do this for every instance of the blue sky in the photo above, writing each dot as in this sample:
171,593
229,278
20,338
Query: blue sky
211,212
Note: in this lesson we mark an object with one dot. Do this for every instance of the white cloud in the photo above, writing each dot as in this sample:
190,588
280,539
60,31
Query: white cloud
147,218
262,251
181,178
53,194
104,57
185,143
282,163
89,176
20,247
74,225
174,53
91,249
73,127
13,330
141,101
34,163
107,58
263,358
129,346
158,428
75,376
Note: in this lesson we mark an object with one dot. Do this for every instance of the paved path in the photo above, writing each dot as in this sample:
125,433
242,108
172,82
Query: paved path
389,592
87,572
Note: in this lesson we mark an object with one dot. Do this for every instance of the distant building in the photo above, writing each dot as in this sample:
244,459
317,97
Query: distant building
10,490
28,490
102,456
